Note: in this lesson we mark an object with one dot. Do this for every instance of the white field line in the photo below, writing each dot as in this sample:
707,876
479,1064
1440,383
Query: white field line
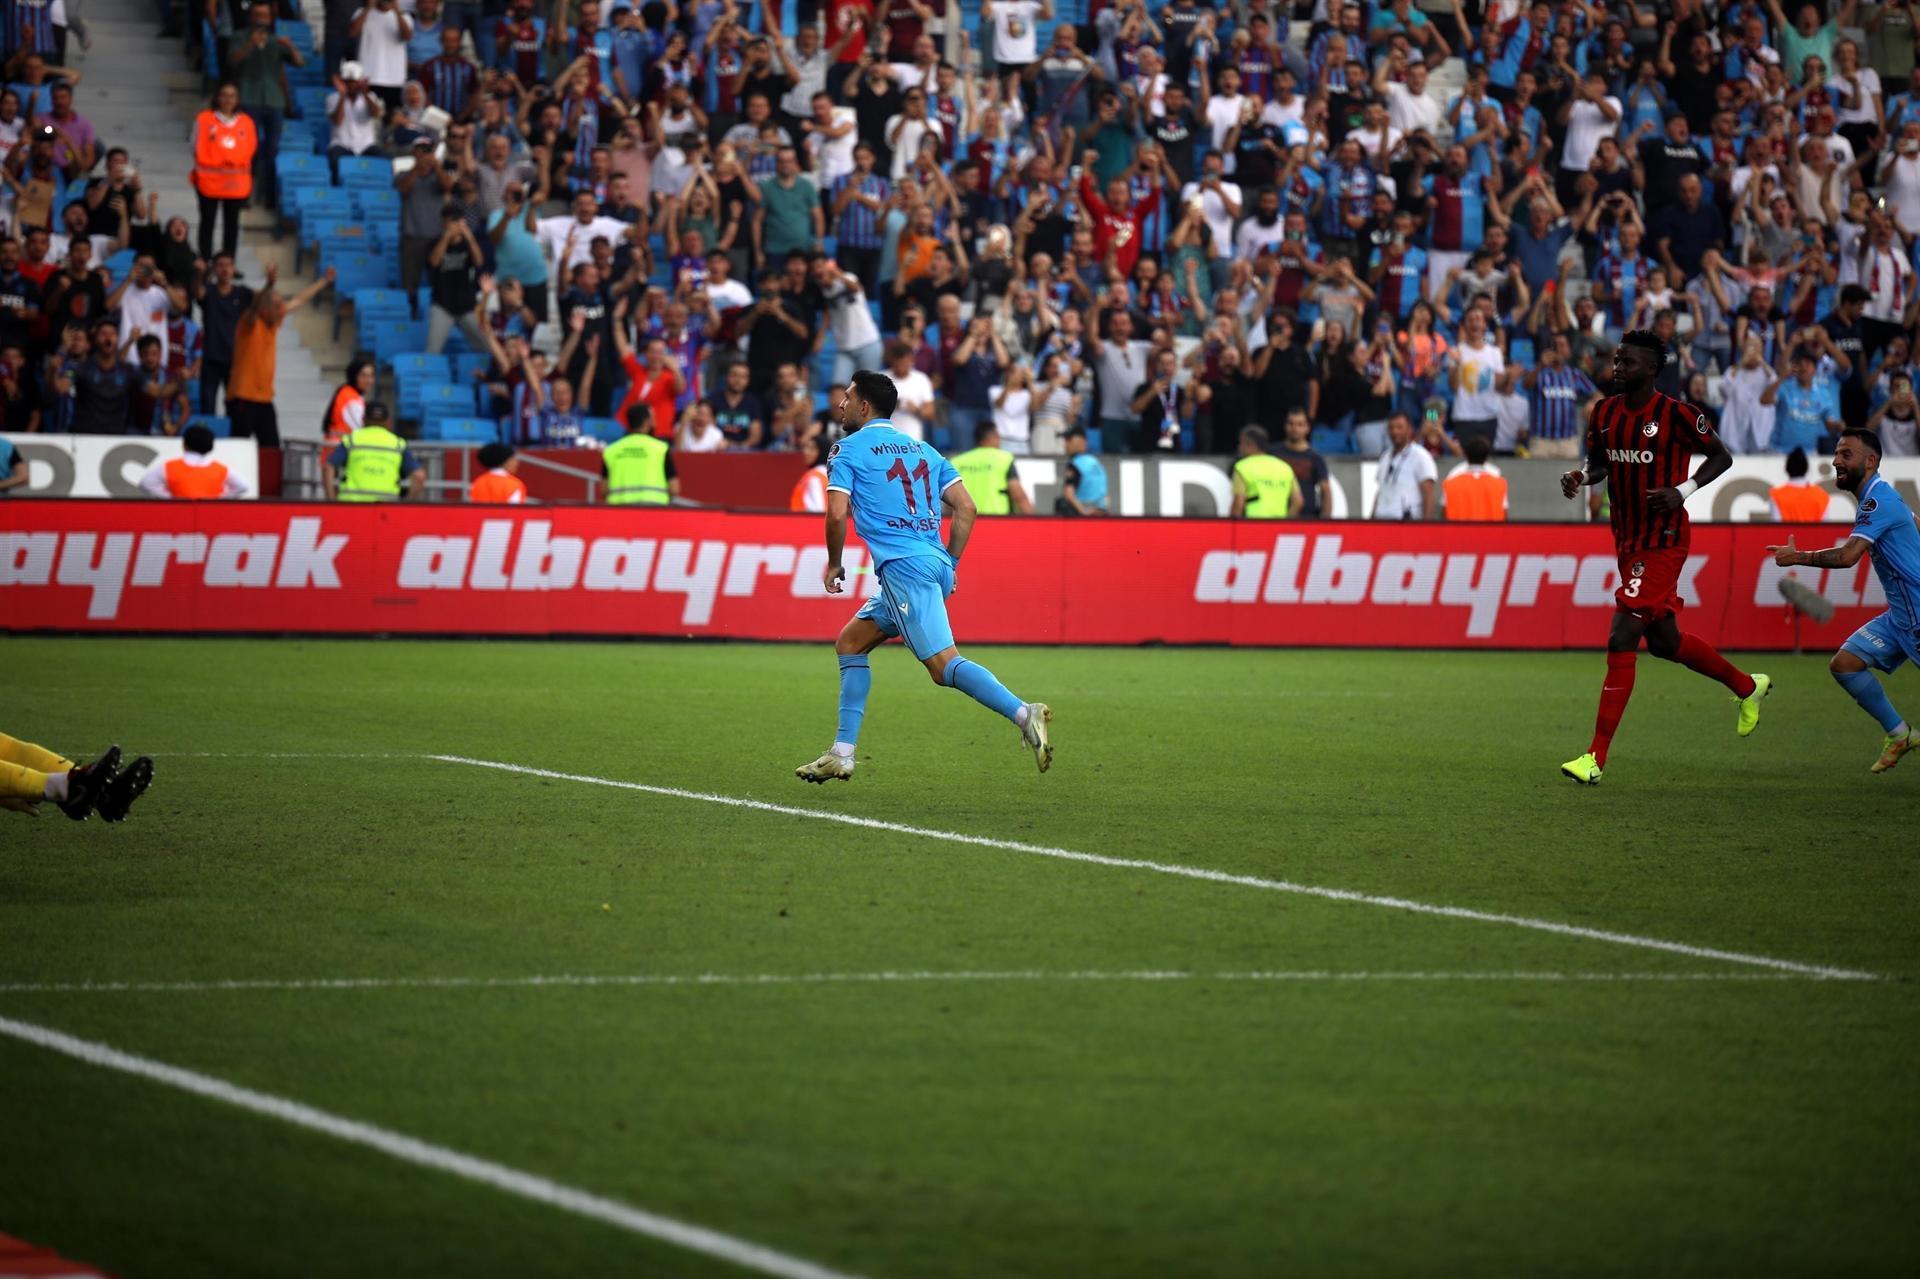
559,980
713,1243
1195,872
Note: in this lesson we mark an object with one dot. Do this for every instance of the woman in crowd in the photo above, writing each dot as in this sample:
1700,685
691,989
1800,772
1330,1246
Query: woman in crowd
223,145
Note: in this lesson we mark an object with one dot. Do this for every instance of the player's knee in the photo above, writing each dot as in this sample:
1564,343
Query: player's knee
1845,663
937,666
847,645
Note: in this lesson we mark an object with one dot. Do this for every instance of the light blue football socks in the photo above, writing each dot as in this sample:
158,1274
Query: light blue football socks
1865,689
977,682
856,681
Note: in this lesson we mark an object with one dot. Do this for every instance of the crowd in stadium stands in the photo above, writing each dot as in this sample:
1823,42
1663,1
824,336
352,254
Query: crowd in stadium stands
1141,224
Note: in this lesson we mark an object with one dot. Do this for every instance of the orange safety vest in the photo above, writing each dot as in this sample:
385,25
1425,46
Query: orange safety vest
1800,503
223,156
809,491
343,399
196,481
497,486
1478,495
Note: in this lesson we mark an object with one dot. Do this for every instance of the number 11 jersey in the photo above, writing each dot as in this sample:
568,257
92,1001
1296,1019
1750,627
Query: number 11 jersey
895,484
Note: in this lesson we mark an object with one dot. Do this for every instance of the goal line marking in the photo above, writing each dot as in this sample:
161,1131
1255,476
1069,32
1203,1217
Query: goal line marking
412,1150
1192,872
884,978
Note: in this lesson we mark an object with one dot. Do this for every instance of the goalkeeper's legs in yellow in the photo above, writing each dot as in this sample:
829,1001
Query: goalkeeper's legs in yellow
26,771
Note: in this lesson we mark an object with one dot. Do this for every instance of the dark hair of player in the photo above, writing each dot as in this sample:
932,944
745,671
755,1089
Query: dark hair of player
1869,438
1647,340
877,390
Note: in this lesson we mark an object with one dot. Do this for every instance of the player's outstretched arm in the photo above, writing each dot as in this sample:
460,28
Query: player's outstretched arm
1845,555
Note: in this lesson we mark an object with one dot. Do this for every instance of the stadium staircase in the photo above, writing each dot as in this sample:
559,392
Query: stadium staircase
139,93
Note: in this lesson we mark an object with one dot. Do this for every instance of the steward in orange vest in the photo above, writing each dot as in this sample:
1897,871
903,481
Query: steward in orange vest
1476,491
223,145
500,483
1798,501
194,475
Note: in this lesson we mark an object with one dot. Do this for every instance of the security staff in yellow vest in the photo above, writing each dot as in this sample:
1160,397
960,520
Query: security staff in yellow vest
987,471
372,463
639,465
1264,487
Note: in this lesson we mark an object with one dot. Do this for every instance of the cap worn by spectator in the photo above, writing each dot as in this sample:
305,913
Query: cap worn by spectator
352,72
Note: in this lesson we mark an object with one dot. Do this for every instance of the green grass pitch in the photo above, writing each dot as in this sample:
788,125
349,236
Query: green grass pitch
1739,1121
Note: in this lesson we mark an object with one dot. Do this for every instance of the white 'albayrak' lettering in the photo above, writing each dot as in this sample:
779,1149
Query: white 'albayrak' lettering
1483,584
700,571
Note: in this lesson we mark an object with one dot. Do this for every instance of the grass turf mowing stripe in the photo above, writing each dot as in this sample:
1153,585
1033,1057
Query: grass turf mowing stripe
853,979
1192,872
712,1243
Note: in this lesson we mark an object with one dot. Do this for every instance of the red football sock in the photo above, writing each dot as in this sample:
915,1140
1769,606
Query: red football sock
1696,654
1613,702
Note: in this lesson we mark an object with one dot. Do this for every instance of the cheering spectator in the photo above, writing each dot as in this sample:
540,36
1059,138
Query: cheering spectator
455,260
256,343
737,411
102,385
223,300
1806,402
354,116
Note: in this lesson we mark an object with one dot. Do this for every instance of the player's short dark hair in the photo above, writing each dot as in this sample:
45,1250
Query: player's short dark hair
1647,340
1256,436
1477,449
981,430
1869,438
877,389
1797,464
198,438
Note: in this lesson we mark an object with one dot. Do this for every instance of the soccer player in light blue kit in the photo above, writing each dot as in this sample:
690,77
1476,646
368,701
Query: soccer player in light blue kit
1888,531
896,488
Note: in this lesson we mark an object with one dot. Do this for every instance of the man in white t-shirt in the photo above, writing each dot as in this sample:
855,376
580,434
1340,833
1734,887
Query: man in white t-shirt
1409,105
1224,107
1015,42
1219,203
830,133
915,408
904,131
383,31
568,239
1409,481
856,338
1590,114
354,114
1900,170
1285,107
143,306
1479,380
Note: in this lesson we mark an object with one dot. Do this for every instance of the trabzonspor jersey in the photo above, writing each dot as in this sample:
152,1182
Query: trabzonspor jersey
895,484
1886,521
1644,449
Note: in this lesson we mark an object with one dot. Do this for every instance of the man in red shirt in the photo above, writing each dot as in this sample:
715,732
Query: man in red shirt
1117,224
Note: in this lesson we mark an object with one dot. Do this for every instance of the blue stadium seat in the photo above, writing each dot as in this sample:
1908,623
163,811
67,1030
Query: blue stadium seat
1333,441
419,366
119,264
390,338
290,164
470,366
221,427
604,428
462,430
446,399
363,172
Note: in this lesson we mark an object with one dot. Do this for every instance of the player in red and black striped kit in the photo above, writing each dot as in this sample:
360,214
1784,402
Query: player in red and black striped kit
1640,444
